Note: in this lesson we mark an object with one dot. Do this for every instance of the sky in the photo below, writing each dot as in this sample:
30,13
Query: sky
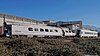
87,11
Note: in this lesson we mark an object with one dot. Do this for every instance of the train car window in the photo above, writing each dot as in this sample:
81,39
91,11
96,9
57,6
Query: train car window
36,29
30,29
81,32
41,30
46,30
51,30
95,33
88,33
56,30
73,31
67,31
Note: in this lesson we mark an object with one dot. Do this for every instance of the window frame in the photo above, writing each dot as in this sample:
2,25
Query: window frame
56,30
66,31
51,30
41,30
36,29
30,29
46,30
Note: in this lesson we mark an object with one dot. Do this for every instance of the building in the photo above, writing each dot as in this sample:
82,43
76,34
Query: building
10,19
48,21
73,25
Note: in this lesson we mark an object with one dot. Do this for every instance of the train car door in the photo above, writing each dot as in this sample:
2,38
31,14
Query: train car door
8,31
78,33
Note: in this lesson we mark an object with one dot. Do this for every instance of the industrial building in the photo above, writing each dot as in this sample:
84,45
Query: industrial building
73,25
10,19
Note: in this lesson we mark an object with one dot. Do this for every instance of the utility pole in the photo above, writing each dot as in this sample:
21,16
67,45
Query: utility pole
4,23
4,26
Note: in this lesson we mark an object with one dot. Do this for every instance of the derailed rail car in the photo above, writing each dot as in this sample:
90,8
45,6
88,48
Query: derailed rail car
68,33
35,30
86,33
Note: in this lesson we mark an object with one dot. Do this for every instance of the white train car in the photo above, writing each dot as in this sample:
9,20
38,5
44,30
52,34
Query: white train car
36,30
68,32
88,33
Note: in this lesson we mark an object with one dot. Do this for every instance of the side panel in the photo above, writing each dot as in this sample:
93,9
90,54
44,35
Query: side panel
1,25
68,32
89,33
1,21
23,30
18,30
0,30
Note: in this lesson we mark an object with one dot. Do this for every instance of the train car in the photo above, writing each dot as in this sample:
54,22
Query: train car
68,33
34,30
88,33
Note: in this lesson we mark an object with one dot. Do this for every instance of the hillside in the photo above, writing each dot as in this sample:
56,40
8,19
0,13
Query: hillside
92,27
48,47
